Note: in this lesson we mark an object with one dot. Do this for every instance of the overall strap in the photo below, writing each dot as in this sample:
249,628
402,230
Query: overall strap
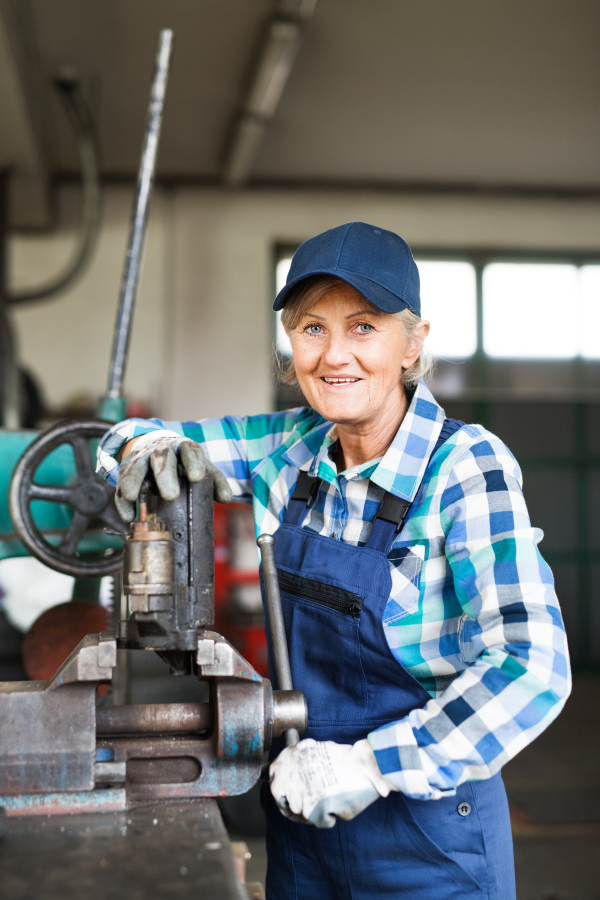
303,497
392,512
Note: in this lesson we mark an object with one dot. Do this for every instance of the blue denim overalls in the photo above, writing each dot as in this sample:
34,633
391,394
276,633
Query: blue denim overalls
333,597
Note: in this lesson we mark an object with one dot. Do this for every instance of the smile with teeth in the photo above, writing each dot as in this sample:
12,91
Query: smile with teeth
331,380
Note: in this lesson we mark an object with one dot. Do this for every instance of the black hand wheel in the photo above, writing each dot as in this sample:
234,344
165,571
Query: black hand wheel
91,498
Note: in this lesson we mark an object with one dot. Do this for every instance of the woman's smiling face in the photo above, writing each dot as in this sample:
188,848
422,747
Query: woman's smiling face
349,357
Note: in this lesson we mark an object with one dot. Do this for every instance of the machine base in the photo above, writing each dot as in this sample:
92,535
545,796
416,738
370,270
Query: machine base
172,850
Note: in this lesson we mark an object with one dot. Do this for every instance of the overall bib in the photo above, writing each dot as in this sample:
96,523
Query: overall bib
333,596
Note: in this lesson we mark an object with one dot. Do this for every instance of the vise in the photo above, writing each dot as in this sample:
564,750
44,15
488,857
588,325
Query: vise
61,752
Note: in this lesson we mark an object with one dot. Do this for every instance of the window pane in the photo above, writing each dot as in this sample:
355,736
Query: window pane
590,311
448,300
530,310
283,342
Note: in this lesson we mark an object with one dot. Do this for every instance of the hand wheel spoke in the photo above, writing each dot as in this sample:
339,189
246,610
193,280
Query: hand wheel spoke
111,517
83,457
55,493
74,533
86,494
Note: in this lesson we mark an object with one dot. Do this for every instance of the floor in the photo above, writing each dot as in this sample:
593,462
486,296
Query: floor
554,790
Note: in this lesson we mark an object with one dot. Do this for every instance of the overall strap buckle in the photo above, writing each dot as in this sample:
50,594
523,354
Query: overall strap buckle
307,488
393,509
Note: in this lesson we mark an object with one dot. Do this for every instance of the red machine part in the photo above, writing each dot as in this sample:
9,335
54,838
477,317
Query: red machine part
56,633
238,606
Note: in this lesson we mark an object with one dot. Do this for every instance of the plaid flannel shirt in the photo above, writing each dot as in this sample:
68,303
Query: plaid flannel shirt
472,615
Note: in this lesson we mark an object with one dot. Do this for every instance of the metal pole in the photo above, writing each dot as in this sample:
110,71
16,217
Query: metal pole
276,624
139,219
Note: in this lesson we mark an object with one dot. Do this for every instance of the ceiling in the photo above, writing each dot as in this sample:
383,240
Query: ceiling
431,92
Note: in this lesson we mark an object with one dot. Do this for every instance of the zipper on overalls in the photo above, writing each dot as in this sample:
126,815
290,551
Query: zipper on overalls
336,598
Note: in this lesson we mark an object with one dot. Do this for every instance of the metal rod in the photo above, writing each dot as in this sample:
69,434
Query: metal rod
139,217
153,718
276,624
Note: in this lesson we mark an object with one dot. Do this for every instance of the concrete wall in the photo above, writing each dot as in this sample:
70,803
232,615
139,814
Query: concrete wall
203,333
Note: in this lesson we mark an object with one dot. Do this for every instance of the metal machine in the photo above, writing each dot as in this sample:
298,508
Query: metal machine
62,752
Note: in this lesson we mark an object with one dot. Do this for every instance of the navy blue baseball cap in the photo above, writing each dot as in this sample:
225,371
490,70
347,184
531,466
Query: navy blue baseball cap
378,263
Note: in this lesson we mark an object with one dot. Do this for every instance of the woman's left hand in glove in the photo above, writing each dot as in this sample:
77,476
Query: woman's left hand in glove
315,781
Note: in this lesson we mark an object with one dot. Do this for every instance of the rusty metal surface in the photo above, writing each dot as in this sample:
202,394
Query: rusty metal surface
158,851
47,739
64,803
153,718
182,766
169,622
47,728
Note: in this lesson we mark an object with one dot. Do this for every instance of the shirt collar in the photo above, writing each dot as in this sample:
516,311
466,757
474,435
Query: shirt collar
404,463
401,468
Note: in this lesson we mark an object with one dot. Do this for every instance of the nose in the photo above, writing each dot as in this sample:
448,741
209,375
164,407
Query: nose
337,353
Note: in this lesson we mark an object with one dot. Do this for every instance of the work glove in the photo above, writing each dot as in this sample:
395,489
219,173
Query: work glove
160,452
315,781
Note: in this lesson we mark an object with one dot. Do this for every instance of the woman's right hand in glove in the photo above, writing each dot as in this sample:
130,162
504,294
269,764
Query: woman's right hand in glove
161,453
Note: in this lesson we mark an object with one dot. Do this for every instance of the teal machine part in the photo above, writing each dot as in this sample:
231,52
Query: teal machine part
51,518
58,468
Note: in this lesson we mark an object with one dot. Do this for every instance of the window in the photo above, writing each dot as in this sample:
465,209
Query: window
590,311
541,310
449,301
529,310
282,340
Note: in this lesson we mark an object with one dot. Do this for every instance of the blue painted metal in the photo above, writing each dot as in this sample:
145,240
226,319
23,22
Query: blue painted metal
61,803
104,754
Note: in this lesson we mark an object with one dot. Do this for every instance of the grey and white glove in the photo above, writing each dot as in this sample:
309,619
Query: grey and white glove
315,781
159,452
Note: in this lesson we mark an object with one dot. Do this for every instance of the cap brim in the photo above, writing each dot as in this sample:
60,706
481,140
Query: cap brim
377,295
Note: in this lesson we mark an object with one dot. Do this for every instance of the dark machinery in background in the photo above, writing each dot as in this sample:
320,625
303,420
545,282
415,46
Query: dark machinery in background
20,400
61,751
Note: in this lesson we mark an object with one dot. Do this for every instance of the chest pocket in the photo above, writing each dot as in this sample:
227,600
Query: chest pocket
343,601
406,564
322,623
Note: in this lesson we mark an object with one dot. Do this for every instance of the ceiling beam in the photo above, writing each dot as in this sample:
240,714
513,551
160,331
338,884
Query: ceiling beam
280,46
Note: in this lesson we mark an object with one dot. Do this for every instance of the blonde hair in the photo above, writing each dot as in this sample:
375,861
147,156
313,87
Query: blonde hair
313,289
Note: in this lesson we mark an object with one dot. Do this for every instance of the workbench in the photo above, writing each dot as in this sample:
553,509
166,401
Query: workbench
153,851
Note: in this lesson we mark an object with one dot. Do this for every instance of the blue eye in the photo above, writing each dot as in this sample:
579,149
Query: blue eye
364,328
313,329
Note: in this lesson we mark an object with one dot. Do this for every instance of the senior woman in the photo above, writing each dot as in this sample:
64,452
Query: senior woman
422,622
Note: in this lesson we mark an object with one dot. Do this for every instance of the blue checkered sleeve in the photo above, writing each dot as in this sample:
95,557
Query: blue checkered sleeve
516,675
237,445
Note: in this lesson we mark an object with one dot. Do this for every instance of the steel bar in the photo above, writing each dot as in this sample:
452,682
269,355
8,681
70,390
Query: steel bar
289,711
153,718
281,656
139,218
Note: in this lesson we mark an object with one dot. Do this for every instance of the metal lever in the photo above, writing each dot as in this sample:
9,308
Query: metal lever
278,639
112,405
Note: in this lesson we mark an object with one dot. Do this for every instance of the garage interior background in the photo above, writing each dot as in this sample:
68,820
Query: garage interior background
470,128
